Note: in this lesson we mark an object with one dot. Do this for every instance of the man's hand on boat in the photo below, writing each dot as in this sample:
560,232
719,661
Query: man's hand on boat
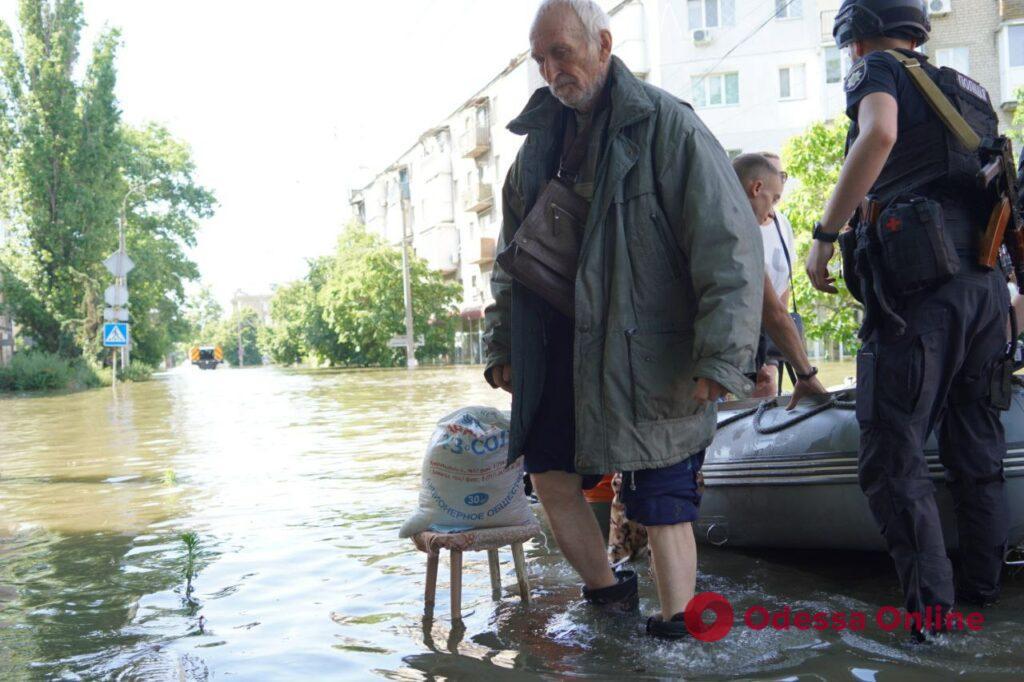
501,377
805,388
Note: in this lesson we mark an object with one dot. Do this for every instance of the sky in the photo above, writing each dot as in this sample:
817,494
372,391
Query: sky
289,105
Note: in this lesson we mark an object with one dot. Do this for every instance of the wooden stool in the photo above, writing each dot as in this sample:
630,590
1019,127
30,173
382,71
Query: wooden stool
485,539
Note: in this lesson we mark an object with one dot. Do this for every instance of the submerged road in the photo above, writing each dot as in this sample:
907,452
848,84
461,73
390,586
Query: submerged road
295,484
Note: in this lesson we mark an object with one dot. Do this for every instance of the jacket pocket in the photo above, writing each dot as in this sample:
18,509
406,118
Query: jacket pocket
660,369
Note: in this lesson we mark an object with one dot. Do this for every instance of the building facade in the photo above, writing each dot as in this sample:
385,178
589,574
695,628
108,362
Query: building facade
258,303
757,71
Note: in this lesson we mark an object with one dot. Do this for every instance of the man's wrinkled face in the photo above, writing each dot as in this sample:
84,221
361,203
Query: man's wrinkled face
764,193
571,64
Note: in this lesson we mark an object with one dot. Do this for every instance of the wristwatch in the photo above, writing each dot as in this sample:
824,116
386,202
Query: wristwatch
821,235
810,375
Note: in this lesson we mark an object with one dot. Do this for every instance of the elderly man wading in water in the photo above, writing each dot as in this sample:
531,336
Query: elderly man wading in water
617,365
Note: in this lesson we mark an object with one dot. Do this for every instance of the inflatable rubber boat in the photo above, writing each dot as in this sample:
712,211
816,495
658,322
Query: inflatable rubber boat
789,479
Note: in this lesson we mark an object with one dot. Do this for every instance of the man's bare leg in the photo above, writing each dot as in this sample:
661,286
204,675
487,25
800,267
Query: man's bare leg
674,552
575,527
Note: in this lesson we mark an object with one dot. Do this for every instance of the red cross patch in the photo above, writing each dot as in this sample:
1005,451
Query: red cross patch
893,224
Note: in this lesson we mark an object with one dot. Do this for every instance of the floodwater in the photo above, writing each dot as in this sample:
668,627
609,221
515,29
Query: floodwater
295,484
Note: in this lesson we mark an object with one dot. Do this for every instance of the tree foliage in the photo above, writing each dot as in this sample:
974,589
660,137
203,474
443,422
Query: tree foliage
243,327
66,163
351,304
814,159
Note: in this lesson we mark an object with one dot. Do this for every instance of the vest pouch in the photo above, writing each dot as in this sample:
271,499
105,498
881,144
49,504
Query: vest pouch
917,254
848,250
545,250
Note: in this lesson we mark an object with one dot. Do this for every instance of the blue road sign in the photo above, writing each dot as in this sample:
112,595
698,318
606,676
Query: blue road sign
115,335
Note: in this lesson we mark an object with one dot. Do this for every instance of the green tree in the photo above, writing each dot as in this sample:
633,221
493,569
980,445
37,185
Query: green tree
359,305
60,151
291,311
814,159
160,224
66,164
202,311
244,326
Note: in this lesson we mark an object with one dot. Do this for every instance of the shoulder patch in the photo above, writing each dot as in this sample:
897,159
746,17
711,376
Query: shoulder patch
856,76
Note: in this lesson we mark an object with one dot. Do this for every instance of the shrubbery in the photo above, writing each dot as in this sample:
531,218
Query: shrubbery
41,371
35,371
137,371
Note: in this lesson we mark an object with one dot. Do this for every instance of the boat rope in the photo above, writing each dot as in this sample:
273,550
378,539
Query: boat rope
835,402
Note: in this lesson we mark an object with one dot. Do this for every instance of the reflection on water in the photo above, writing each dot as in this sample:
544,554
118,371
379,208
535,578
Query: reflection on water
295,484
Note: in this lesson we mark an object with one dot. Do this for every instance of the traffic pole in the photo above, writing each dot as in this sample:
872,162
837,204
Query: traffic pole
410,334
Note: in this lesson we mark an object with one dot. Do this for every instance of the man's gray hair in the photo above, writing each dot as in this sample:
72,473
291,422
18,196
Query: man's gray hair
590,14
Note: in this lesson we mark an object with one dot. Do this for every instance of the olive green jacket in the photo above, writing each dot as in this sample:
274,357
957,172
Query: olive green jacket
668,288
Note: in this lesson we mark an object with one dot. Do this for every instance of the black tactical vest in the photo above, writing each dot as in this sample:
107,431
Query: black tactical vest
927,159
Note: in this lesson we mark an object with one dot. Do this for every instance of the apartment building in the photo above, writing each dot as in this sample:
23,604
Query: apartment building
757,71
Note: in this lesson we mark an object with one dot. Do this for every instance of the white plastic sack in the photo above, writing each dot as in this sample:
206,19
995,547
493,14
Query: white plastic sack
466,484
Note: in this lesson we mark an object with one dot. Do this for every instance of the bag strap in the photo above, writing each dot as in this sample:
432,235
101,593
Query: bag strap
789,262
939,102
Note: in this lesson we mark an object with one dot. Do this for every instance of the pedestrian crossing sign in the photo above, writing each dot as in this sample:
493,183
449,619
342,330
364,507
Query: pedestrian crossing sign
115,335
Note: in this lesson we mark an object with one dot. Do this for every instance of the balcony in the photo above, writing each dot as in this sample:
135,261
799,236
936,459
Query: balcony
481,251
478,198
439,246
1011,9
475,141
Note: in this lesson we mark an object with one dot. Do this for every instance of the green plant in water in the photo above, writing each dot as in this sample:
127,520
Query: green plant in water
170,478
191,542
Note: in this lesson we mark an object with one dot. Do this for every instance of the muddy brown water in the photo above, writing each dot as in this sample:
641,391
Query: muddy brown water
295,483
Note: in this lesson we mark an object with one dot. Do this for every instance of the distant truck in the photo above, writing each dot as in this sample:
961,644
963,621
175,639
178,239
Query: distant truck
206,357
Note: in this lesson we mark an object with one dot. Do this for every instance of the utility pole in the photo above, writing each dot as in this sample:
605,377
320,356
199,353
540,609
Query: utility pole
241,352
410,334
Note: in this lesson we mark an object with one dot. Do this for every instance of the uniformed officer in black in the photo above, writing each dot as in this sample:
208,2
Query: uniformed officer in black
928,358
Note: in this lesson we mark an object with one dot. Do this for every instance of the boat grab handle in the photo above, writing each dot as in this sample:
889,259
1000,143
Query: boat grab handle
759,412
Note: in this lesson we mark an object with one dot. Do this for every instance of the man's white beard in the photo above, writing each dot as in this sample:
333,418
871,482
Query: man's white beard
585,99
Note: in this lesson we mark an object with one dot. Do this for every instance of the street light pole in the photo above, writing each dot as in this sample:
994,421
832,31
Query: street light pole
410,333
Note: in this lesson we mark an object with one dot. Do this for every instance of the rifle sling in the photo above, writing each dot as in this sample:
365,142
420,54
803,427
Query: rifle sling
939,102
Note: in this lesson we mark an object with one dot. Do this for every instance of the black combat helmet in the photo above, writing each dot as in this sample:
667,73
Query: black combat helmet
859,19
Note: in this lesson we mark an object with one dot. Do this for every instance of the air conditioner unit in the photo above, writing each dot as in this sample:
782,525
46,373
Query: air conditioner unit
939,7
701,36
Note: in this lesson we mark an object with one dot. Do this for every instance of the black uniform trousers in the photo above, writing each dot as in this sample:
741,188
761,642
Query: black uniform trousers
937,373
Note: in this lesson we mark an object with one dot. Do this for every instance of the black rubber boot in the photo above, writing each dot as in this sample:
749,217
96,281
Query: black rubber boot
620,597
673,629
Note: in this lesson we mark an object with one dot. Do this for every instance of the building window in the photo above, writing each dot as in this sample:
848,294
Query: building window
957,58
833,65
716,90
791,82
1015,34
1011,61
788,9
711,13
